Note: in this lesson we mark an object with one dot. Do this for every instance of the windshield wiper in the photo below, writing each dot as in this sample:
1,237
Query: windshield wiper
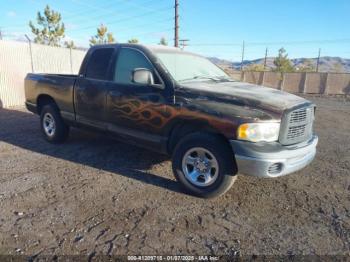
224,78
199,77
216,79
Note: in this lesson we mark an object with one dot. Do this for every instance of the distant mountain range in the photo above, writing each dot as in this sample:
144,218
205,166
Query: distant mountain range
327,63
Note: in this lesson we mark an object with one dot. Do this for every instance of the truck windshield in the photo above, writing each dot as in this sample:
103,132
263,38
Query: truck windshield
189,67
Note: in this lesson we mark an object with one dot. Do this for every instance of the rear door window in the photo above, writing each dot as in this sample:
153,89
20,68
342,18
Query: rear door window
98,63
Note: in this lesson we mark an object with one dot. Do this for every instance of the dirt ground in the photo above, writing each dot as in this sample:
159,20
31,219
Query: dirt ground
93,196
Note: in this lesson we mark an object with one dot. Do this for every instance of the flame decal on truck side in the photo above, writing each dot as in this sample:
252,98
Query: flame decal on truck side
157,115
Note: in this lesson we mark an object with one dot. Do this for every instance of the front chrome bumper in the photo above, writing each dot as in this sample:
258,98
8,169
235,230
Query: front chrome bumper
272,159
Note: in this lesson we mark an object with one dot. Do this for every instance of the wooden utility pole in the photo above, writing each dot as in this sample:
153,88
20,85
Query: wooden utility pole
318,59
176,38
242,56
265,58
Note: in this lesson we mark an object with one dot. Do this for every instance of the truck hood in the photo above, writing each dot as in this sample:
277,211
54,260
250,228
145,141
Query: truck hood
244,94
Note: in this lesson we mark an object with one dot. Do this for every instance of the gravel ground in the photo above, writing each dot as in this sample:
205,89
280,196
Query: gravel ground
93,195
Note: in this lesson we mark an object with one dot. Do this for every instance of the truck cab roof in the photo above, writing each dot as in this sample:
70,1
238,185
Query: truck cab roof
152,48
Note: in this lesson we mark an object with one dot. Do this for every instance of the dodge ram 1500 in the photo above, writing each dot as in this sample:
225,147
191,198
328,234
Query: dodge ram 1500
180,104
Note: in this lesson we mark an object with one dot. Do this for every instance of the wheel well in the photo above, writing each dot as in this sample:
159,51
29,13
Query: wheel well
44,100
183,129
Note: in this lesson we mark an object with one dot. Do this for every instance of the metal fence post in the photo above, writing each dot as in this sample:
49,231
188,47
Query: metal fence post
318,60
263,78
243,46
283,75
71,60
243,76
31,53
325,92
305,84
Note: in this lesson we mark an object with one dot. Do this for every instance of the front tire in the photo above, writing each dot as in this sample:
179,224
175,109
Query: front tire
204,165
52,125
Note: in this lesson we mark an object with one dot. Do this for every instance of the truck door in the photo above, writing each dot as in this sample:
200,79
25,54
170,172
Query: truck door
135,110
91,88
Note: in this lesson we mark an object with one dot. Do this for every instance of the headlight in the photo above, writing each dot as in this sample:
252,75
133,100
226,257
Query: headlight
256,132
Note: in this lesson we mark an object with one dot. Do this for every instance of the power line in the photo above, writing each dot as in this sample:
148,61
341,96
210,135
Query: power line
43,5
346,40
91,6
217,44
109,11
82,14
142,5
156,32
125,19
143,25
327,41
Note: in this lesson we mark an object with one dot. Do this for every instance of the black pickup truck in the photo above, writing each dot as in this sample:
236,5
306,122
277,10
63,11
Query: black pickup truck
179,103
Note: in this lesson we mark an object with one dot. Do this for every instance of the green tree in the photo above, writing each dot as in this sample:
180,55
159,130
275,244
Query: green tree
49,30
69,44
102,37
133,41
163,41
282,63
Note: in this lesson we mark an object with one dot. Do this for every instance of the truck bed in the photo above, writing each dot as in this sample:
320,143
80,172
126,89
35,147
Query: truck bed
59,86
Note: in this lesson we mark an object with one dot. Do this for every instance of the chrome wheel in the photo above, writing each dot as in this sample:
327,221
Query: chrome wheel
200,167
49,125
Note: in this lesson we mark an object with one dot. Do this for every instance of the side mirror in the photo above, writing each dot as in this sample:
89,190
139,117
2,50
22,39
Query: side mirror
142,76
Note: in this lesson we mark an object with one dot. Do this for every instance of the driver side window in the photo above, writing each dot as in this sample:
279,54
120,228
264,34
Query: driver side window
128,60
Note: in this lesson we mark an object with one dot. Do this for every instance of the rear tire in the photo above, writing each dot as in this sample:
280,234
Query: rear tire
204,165
52,125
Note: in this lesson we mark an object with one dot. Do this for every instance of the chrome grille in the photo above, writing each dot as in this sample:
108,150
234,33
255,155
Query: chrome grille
295,131
298,116
296,125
